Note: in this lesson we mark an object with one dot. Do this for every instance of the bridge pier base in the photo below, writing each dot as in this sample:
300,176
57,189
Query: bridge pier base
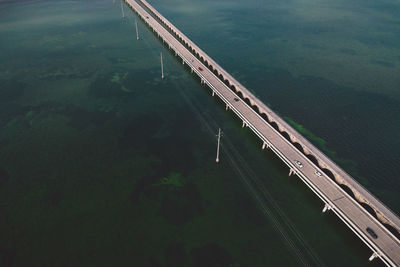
373,256
227,107
326,207
244,124
213,93
191,70
292,172
265,145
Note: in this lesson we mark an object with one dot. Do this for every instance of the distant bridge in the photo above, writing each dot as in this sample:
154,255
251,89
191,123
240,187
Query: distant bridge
375,224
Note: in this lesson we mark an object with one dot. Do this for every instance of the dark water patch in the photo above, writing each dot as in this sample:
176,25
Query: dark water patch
313,46
315,29
53,194
145,184
348,51
4,176
21,1
179,206
390,8
153,262
52,73
4,141
139,130
131,79
152,184
175,255
382,63
104,87
376,42
179,147
245,212
211,255
7,257
79,117
163,136
10,90
10,110
174,152
122,83
52,198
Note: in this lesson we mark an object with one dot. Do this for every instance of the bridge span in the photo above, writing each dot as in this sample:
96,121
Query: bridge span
375,224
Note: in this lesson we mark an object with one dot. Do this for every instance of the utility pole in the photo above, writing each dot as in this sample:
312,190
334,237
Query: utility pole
137,32
162,67
122,9
219,138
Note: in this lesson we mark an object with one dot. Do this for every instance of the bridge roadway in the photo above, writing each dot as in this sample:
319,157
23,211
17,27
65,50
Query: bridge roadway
384,214
386,246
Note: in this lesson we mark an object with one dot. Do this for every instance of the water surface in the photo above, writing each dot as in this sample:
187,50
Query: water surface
104,163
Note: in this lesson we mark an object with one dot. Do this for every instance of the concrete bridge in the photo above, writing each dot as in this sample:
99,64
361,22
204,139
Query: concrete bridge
375,224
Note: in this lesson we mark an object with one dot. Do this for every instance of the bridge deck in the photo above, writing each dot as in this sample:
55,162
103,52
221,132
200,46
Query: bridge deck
384,214
353,215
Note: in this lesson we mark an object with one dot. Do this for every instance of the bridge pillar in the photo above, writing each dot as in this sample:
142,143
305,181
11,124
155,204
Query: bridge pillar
373,256
244,124
291,172
213,92
326,207
183,61
265,145
191,70
227,107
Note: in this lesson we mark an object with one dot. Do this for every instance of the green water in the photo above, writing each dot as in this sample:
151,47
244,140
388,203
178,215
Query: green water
103,163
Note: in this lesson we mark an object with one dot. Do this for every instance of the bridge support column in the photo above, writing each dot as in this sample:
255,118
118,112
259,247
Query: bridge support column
326,207
213,92
244,124
191,70
265,145
183,61
373,256
227,107
292,172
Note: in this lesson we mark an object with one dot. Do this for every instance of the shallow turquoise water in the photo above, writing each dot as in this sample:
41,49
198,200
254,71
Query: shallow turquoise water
89,132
